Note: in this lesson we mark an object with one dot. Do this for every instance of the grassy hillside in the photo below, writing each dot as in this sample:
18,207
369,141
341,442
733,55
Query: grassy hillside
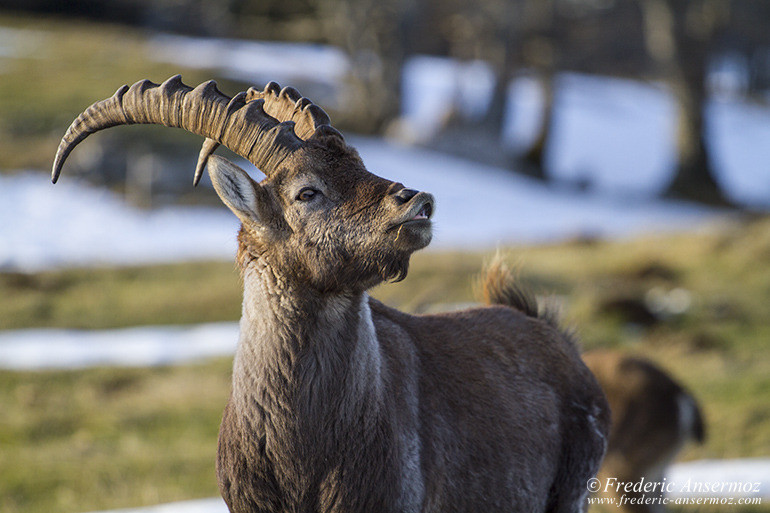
83,440
119,297
52,69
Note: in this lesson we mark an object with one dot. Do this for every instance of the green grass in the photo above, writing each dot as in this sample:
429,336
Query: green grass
106,438
66,66
103,438
118,297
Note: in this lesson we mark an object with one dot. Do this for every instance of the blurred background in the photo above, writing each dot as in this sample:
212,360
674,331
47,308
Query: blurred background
617,152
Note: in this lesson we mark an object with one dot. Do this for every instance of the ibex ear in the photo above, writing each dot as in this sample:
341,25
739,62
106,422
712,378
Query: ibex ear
238,191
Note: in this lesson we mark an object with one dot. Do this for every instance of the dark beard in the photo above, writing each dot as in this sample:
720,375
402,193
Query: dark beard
395,270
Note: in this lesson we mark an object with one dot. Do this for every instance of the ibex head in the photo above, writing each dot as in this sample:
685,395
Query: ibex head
319,215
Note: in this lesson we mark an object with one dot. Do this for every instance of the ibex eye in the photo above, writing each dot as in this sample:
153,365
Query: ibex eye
306,194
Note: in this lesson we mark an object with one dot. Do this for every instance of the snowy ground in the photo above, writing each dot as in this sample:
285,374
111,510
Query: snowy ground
752,474
616,136
74,224
213,505
131,347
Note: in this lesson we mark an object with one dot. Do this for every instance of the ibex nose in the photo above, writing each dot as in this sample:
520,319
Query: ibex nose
405,195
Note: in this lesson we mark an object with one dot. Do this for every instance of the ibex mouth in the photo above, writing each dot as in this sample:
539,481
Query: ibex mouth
421,208
420,211
425,212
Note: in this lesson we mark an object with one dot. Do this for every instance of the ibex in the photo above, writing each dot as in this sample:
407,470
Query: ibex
652,419
340,403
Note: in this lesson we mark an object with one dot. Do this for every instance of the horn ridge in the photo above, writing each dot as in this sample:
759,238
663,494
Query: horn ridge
290,94
287,103
279,104
171,87
203,110
272,88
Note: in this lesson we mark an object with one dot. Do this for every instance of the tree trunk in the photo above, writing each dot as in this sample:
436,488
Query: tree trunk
495,115
543,54
377,39
502,49
694,174
534,158
677,37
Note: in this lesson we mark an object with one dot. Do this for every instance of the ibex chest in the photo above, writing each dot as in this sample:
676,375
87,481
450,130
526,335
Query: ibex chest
278,465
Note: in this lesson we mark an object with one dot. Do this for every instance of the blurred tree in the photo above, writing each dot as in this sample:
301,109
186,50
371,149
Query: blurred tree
504,37
195,17
377,36
488,31
277,20
540,52
679,37
591,36
748,38
540,38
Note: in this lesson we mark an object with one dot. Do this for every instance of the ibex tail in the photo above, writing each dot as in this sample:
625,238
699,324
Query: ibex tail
499,287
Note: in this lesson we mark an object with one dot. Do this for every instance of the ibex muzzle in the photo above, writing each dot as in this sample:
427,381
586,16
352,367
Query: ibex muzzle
339,403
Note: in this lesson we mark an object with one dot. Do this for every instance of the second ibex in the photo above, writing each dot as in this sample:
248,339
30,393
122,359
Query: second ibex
340,403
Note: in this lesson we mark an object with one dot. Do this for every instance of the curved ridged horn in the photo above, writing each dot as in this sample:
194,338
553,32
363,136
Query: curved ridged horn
288,105
285,105
243,127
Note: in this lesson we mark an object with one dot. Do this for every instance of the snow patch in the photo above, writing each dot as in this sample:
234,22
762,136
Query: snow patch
478,207
20,43
725,478
75,224
213,505
131,347
612,135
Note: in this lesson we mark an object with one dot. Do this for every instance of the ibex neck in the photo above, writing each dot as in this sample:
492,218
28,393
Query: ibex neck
303,352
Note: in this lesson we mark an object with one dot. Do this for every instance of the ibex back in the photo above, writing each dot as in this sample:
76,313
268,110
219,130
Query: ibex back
338,402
